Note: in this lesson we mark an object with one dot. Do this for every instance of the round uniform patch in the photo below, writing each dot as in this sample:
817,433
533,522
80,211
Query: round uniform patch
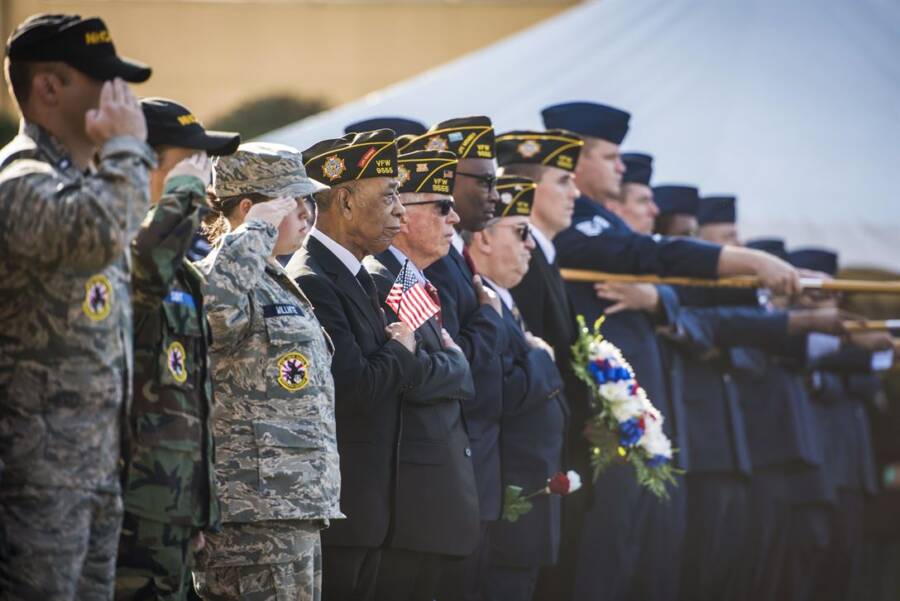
98,298
528,148
333,167
403,174
293,371
436,143
176,361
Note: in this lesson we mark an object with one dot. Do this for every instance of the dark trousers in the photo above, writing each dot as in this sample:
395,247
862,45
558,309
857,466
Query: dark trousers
409,575
631,547
810,534
510,583
349,573
767,534
464,580
844,551
717,525
556,582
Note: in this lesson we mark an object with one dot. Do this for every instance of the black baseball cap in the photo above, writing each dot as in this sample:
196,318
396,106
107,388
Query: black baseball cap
173,124
84,44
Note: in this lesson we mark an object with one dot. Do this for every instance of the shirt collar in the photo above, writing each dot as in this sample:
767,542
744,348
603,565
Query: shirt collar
544,242
457,242
344,256
402,258
503,293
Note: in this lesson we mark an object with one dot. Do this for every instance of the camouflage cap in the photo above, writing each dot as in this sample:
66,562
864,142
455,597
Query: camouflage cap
265,168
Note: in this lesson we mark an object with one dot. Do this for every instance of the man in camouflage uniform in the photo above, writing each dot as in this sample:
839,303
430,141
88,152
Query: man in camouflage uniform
276,450
169,491
65,315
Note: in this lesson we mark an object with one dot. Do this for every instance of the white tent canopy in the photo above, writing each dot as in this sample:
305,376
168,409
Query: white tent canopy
794,106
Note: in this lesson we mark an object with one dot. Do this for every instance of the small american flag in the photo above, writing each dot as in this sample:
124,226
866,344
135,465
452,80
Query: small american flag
409,299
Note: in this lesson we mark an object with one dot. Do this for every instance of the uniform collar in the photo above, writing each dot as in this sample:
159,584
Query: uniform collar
48,145
352,264
545,244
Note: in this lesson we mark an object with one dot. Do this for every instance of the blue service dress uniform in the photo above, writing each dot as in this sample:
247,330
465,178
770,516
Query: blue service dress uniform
610,565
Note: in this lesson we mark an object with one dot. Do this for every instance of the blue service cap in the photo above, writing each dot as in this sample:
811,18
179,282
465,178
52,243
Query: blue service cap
401,126
773,246
588,119
717,209
816,259
681,200
638,168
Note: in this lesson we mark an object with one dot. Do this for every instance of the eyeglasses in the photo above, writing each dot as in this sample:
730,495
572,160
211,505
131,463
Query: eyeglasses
522,229
445,205
488,181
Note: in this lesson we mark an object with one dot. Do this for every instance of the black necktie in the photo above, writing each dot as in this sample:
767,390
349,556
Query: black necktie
365,280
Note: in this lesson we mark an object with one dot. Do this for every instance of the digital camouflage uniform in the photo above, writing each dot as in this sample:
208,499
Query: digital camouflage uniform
169,490
276,448
65,360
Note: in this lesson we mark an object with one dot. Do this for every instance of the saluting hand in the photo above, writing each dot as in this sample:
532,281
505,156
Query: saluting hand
272,211
400,332
197,165
486,296
118,114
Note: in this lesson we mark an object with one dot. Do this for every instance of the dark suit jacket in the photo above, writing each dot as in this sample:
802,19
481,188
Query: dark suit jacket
370,374
480,332
542,300
437,504
534,422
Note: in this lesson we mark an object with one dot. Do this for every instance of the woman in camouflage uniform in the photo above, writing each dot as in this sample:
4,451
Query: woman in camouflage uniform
277,461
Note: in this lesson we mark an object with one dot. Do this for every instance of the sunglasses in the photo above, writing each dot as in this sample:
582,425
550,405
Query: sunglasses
488,181
523,229
445,205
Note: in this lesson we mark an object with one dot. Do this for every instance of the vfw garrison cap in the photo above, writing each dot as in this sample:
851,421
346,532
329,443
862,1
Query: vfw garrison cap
426,171
265,168
638,168
717,209
554,148
466,137
84,44
173,124
516,196
401,126
588,119
676,200
352,157
816,259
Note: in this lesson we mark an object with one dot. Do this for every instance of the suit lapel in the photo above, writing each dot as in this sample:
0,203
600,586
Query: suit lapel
344,280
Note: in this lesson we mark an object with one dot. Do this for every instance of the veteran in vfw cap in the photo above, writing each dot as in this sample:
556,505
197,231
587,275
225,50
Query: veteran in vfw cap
471,139
170,328
678,206
717,220
73,192
375,362
271,369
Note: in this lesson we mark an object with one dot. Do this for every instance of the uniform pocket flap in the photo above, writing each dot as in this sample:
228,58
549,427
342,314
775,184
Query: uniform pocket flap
181,313
174,431
291,434
423,452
